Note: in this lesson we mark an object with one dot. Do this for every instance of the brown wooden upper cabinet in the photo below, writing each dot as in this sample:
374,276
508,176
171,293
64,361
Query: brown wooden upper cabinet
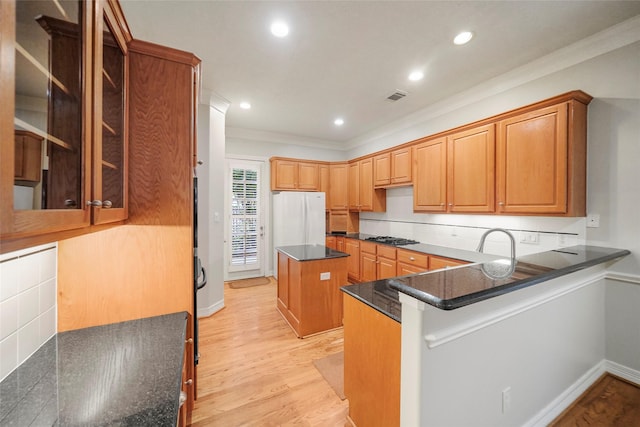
28,158
430,176
456,173
393,168
471,170
362,194
54,89
541,160
325,184
294,175
338,186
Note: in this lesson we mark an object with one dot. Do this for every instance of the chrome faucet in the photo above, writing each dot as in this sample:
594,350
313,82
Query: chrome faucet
498,270
486,233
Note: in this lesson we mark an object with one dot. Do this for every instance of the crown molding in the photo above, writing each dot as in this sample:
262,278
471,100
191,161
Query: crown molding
212,99
282,138
608,40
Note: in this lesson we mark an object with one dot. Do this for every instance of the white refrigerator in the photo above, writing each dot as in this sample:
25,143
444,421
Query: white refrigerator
298,219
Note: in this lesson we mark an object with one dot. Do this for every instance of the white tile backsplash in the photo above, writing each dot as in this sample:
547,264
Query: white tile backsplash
465,231
28,307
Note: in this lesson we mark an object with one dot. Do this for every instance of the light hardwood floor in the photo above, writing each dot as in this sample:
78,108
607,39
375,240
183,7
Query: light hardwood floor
254,371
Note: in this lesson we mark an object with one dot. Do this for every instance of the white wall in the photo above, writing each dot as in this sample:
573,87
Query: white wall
613,79
265,144
211,146
537,342
28,309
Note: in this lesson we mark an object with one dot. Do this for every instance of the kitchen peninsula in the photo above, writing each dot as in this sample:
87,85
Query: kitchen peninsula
461,327
309,281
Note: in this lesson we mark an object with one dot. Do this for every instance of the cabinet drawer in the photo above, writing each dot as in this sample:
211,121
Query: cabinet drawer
441,262
416,259
368,247
387,252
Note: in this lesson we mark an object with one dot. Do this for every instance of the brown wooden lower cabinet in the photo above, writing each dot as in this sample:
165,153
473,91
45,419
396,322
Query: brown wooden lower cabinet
371,365
436,262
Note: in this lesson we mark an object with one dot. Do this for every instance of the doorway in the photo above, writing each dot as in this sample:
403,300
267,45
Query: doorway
245,231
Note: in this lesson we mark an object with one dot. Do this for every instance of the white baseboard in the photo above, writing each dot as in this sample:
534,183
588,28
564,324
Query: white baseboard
212,309
571,394
622,371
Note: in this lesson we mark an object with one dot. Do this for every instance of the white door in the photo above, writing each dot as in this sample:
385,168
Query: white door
245,234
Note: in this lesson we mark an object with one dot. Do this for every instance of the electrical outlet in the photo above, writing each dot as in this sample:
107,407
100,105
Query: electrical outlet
530,237
506,400
325,276
593,220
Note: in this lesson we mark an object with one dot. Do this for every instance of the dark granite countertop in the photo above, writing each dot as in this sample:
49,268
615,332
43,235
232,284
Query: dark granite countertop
310,252
443,251
124,374
457,287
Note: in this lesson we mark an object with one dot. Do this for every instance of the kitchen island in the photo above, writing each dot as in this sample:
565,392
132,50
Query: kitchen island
309,281
470,340
126,374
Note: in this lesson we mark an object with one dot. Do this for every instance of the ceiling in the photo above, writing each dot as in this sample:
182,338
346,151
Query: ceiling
344,58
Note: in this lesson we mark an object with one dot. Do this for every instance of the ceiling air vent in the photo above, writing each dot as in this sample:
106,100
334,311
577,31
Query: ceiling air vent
398,94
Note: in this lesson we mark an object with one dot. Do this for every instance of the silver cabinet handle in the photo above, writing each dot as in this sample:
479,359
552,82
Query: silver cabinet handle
450,204
95,203
501,203
68,203
189,382
189,341
412,258
107,204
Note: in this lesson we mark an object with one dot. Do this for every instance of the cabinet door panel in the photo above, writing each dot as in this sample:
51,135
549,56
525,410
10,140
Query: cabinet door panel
366,184
308,176
430,176
368,268
324,185
284,175
401,166
386,268
471,164
382,169
352,247
532,162
338,186
354,186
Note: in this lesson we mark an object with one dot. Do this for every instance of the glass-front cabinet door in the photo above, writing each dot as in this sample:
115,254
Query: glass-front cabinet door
46,106
110,134
63,129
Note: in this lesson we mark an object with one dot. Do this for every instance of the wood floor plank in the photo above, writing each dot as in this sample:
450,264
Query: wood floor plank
609,402
253,370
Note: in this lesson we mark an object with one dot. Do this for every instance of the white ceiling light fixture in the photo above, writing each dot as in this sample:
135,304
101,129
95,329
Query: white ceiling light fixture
245,105
279,29
416,75
338,122
463,38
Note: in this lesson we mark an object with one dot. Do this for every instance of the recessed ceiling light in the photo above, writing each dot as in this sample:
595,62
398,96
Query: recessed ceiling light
463,37
338,122
245,105
279,29
416,75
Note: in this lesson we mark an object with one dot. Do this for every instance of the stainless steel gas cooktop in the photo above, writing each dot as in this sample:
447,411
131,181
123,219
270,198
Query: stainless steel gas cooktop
395,241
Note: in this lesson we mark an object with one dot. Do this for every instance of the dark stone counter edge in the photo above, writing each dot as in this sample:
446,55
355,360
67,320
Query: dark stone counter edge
329,254
375,307
452,304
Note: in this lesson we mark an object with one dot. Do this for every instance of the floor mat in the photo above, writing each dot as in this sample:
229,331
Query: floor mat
247,283
332,370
